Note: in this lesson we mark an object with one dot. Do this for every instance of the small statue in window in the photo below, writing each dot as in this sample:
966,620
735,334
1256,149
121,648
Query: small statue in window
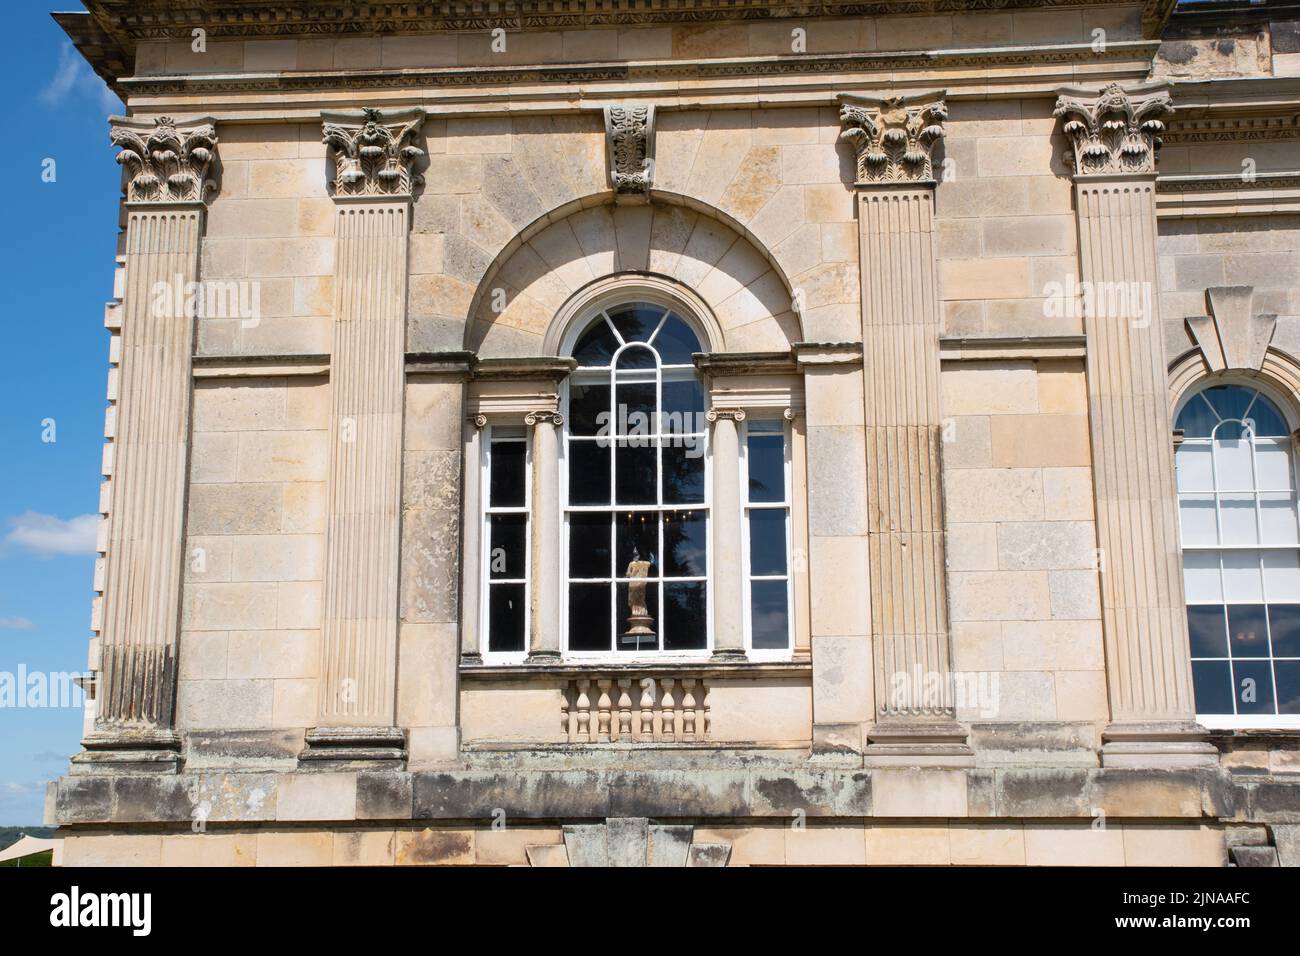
639,622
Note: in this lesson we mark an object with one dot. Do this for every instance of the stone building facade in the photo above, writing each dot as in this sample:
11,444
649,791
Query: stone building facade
697,434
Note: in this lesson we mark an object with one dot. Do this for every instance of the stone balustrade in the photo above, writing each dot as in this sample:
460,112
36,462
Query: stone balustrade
625,709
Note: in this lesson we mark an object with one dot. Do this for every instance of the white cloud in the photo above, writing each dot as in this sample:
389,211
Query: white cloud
72,74
46,535
15,624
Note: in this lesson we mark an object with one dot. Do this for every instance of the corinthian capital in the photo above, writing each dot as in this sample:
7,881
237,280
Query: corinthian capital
373,152
165,162
894,136
1114,130
630,138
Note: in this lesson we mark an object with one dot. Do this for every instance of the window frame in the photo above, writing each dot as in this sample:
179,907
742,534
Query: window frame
1287,413
787,505
486,511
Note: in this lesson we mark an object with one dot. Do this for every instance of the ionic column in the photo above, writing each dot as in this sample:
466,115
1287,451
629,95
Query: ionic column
1115,134
545,555
728,582
372,191
894,138
166,184
471,650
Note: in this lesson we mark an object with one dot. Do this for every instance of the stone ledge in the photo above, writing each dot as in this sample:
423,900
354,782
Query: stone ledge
702,668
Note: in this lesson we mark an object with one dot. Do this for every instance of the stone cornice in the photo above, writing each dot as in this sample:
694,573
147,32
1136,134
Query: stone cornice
540,368
374,154
1228,182
165,162
893,137
746,363
1115,130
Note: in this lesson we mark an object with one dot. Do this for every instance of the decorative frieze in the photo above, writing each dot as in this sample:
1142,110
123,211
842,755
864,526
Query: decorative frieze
164,162
622,709
1232,336
374,153
630,140
894,137
1114,130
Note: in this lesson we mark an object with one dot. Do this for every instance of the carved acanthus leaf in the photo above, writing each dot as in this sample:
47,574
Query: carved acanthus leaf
894,136
374,154
164,162
629,133
1115,130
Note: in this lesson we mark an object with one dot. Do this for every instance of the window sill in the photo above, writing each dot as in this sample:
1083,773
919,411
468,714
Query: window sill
668,668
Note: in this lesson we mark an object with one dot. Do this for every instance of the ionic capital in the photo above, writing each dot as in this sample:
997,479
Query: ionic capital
725,414
544,415
164,162
373,152
1114,130
894,136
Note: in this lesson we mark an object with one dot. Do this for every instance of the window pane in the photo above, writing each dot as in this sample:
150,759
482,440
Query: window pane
508,553
1247,630
683,407
1282,576
634,412
1212,687
1288,686
636,322
631,632
767,541
1284,621
769,615
676,343
1232,461
589,546
635,468
1196,419
1205,628
1268,420
1254,686
685,544
1237,513
588,472
1201,577
686,615
508,470
588,408
589,617
506,617
683,466
1197,519
1273,462
1241,578
638,540
766,457
1278,518
1192,462
1230,401
597,345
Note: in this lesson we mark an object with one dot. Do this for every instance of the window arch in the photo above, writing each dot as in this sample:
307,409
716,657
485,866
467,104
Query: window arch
636,486
1236,483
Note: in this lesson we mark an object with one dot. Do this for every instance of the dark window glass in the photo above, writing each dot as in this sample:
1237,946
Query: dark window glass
1268,420
508,470
624,639
589,408
686,615
636,358
766,455
635,410
1212,683
1196,420
589,617
634,469
505,617
683,465
676,342
597,345
1285,622
589,545
685,544
1247,631
637,536
1205,626
1230,401
508,554
1254,683
588,472
767,541
1288,686
636,322
683,409
769,615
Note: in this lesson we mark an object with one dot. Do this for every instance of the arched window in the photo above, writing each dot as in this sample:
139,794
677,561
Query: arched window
636,489
1241,555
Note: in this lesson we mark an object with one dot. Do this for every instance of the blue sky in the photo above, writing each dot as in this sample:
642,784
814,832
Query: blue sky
58,252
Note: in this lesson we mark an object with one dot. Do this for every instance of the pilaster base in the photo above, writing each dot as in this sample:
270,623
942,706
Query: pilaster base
919,743
354,748
543,657
1157,744
128,751
471,659
733,655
